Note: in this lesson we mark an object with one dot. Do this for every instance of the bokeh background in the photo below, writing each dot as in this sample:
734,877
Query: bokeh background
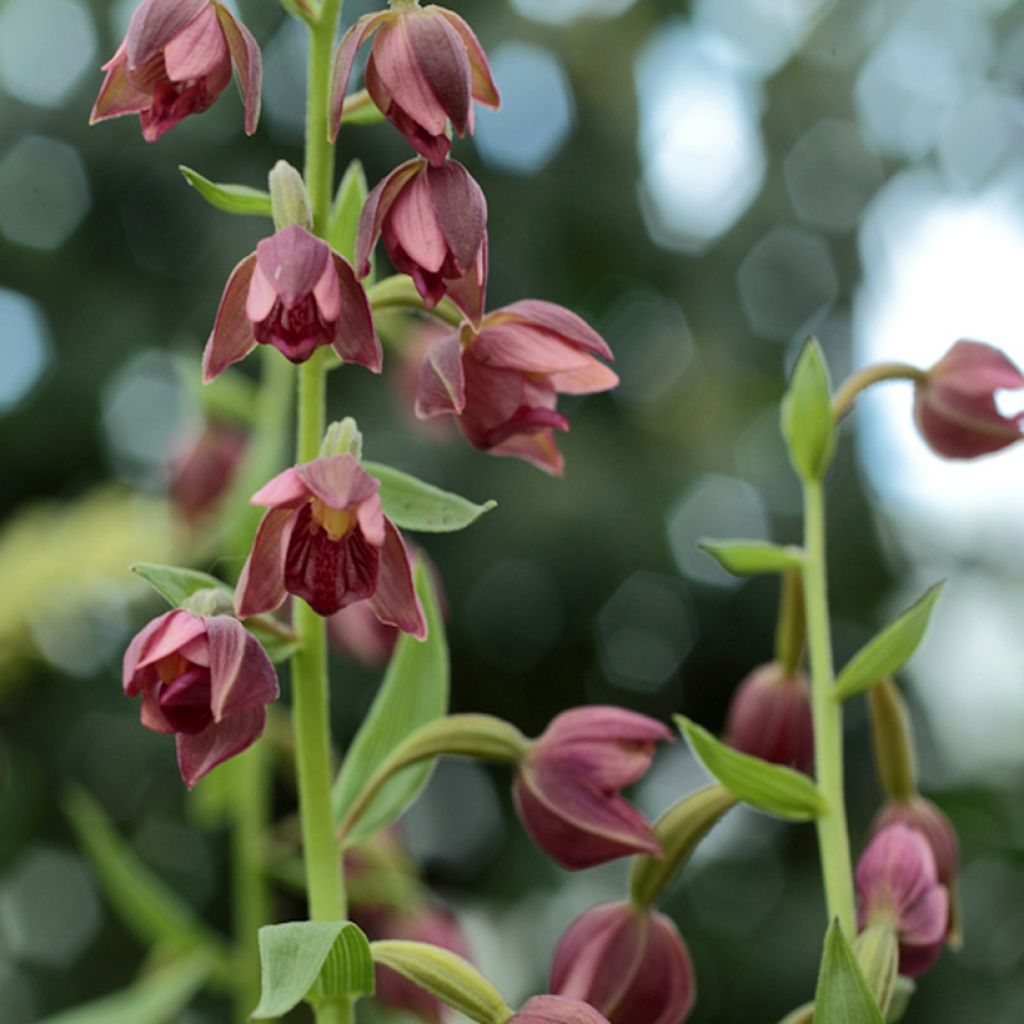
707,183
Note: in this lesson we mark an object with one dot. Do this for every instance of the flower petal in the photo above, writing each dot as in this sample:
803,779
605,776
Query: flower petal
338,481
155,23
377,206
293,261
515,345
442,384
117,95
201,753
587,380
441,56
247,62
397,64
395,601
416,226
357,338
558,320
172,632
344,58
241,675
483,87
197,50
461,210
231,338
261,585
286,490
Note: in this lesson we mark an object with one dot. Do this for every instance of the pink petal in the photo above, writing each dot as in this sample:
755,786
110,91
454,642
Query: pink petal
344,58
241,675
231,338
483,87
558,320
327,291
924,922
134,652
557,1010
247,62
261,298
117,95
663,991
200,754
599,955
469,292
604,723
155,23
416,226
442,384
441,56
166,635
261,585
977,369
461,210
587,380
370,516
518,346
395,601
377,206
286,490
961,426
197,50
434,147
357,338
293,261
396,63
539,448
338,481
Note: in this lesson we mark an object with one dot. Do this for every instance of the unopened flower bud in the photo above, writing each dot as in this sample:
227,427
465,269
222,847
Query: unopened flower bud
630,963
205,679
343,438
557,1010
898,884
955,407
289,199
567,788
770,718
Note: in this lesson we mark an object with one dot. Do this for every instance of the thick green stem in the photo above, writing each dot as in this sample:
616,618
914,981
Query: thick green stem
791,630
833,837
319,171
251,781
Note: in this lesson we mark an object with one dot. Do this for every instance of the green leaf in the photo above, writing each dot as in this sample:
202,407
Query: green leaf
890,650
348,204
153,999
142,900
842,995
412,504
229,198
772,788
314,960
175,584
807,422
751,557
414,692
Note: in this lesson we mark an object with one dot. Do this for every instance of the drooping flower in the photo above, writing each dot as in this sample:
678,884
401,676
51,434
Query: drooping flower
176,60
205,679
295,293
203,466
955,407
433,222
556,1010
425,69
628,962
567,787
770,718
326,539
502,379
898,883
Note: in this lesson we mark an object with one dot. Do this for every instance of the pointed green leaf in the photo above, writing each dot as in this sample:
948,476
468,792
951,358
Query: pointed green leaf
412,504
890,650
414,692
229,198
807,422
348,204
142,900
751,557
176,584
772,788
314,960
153,999
842,995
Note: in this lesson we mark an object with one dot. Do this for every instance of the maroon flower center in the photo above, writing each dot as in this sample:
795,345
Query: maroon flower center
297,332
330,564
184,694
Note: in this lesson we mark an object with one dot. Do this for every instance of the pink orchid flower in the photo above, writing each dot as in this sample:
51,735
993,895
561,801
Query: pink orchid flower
955,407
295,293
176,60
326,539
502,379
556,1010
205,679
629,963
898,883
567,787
770,718
433,222
425,70
202,468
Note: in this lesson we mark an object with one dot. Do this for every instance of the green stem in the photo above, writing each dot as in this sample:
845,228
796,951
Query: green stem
790,632
860,381
833,836
310,688
249,886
